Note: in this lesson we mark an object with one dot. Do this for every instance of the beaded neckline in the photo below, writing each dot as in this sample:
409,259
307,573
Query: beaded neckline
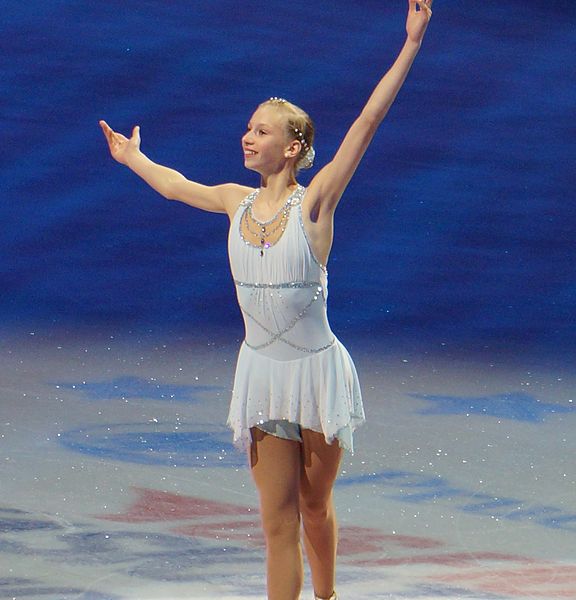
294,198
265,234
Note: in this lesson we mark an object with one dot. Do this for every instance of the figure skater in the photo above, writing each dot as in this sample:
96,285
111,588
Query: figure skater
296,398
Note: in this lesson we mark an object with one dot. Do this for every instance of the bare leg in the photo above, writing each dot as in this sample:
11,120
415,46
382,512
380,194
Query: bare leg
319,471
276,467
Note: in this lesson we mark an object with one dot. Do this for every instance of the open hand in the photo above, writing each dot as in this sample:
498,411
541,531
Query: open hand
419,15
120,146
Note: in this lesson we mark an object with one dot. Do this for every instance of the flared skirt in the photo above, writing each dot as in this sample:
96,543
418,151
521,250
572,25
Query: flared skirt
319,391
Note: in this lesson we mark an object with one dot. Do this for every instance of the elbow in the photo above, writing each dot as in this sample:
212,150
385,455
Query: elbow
369,121
169,189
372,117
369,118
167,195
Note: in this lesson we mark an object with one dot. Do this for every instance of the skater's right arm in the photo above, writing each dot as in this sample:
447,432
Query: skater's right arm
169,182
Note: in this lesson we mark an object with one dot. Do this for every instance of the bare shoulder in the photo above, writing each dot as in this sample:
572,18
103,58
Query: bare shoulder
232,195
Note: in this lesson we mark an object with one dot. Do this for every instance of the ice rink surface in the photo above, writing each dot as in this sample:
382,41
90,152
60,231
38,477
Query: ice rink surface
119,480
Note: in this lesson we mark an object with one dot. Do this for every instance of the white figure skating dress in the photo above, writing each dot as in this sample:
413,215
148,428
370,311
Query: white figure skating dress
290,365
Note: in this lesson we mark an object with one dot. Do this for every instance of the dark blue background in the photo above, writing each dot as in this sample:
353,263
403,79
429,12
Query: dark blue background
458,227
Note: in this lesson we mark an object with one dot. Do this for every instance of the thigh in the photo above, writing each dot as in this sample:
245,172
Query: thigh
320,464
276,468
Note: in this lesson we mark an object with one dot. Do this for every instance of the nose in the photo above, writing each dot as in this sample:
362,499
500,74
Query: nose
247,138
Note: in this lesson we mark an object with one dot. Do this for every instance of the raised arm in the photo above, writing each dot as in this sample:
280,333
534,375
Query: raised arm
330,183
169,182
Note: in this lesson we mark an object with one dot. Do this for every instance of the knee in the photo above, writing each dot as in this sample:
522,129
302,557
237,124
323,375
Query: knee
282,526
316,511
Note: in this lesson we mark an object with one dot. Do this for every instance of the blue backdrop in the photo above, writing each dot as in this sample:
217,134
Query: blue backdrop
458,227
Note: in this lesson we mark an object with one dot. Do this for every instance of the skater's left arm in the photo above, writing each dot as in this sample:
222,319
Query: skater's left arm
329,184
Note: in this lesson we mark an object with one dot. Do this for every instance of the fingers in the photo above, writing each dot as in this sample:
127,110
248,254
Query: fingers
115,138
426,6
105,127
422,5
107,130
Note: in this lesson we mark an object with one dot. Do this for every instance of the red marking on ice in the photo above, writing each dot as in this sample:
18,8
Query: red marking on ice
154,505
210,519
247,531
352,540
539,581
362,540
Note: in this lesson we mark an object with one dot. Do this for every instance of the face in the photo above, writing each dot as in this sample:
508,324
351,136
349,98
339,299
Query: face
265,143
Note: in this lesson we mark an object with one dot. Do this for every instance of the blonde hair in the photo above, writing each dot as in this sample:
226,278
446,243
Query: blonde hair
299,126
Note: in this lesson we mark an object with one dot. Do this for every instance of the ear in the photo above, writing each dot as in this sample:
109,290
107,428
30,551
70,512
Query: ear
293,149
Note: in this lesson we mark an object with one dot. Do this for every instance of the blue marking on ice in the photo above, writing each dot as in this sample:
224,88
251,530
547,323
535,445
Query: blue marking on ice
137,387
515,406
13,587
419,488
156,444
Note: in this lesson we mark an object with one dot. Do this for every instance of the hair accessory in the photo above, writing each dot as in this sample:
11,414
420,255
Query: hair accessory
300,137
277,100
308,159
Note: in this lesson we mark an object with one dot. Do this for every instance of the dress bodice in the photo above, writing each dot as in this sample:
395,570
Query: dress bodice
281,288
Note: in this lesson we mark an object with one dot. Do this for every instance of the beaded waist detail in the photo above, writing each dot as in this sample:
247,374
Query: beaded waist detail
282,331
293,345
280,286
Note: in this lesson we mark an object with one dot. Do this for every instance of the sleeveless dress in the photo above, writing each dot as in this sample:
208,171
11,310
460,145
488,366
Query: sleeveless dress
290,365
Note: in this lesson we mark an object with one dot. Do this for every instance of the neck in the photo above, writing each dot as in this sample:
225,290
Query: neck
274,188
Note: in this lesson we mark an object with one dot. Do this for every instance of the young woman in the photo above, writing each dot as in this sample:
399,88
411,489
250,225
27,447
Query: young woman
296,398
